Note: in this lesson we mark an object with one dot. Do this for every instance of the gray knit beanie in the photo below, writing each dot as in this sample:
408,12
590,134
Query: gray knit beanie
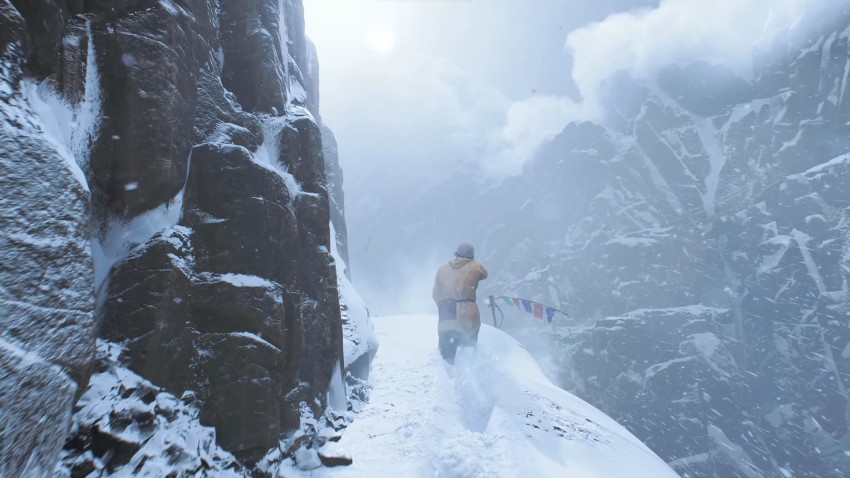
465,250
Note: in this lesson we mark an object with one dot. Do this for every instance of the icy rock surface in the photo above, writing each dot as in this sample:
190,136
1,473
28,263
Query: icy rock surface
360,344
337,196
237,253
46,275
124,425
165,159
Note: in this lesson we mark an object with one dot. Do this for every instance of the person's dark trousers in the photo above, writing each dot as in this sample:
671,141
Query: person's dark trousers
449,342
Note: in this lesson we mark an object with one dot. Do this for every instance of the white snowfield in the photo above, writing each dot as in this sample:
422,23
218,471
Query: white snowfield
492,414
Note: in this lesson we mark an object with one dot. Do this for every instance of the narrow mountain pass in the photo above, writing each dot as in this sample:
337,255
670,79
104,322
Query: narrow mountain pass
491,414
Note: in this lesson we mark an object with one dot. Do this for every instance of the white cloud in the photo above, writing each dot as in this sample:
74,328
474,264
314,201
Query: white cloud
415,114
405,126
718,31
528,125
642,42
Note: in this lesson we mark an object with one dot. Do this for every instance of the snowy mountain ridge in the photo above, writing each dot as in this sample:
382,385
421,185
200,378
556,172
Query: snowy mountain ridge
713,211
705,209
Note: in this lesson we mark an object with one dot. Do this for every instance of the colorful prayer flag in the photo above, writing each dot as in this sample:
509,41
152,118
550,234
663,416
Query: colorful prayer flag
538,311
529,307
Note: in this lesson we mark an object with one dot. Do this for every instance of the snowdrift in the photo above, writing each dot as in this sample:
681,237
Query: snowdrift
492,414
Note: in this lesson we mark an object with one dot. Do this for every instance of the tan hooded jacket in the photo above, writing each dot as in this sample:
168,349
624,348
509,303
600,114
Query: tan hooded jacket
458,280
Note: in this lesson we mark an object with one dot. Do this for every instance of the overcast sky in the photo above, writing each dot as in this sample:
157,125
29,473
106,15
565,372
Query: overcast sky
444,72
418,89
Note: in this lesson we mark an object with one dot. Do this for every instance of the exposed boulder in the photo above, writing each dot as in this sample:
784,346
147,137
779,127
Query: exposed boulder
331,455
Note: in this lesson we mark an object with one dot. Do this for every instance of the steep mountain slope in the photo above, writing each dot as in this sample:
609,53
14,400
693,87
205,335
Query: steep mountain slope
701,230
704,225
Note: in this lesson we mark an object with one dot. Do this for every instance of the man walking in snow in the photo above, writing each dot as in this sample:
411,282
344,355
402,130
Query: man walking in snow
454,293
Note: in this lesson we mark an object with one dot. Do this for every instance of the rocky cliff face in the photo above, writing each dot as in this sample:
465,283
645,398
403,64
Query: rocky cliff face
704,226
167,155
46,274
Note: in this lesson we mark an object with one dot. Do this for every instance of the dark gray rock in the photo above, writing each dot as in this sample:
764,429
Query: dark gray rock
147,307
254,56
124,424
45,23
146,67
246,281
37,400
337,195
230,299
705,89
229,323
331,458
301,152
46,273
13,36
230,338
227,195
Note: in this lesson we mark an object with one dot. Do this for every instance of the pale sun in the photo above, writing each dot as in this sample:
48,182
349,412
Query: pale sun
381,39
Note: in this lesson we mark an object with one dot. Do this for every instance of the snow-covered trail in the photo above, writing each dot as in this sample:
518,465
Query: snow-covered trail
492,414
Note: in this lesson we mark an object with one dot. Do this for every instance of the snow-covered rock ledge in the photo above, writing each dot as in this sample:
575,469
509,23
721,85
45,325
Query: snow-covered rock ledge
126,426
